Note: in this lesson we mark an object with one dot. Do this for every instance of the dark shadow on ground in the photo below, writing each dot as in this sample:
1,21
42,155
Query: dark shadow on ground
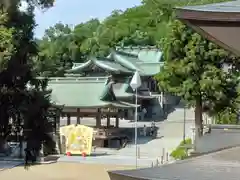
130,133
28,167
167,109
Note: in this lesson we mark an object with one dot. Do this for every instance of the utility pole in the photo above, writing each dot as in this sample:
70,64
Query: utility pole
135,84
184,124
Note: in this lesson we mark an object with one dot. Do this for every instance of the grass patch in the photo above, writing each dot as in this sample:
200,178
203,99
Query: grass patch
181,152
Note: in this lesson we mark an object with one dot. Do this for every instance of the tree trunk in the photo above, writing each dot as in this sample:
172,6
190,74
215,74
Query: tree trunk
198,122
20,134
2,144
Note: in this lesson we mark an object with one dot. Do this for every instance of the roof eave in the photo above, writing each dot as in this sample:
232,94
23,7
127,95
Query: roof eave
86,107
111,69
194,19
193,14
79,68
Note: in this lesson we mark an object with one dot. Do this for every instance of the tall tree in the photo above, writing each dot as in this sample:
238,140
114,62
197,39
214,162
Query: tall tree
16,73
138,26
56,51
193,69
62,46
7,48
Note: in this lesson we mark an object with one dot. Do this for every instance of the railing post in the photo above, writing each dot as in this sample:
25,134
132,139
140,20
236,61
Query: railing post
139,152
157,162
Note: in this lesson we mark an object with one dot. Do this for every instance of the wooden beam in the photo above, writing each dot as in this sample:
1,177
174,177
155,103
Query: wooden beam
117,122
98,119
57,133
68,119
108,121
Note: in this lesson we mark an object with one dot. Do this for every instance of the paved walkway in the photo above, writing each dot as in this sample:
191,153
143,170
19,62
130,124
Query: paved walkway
170,134
9,164
61,171
110,160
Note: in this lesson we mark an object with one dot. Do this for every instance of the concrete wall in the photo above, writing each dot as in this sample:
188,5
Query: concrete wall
220,138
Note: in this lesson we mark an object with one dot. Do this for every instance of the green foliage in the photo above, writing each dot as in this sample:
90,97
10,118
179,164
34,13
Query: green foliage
24,101
193,65
6,42
138,26
142,25
193,70
227,117
57,48
181,152
61,46
201,65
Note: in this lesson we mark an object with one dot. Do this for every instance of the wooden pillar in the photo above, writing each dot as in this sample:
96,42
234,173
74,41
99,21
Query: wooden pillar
108,121
57,133
117,122
98,118
68,119
78,116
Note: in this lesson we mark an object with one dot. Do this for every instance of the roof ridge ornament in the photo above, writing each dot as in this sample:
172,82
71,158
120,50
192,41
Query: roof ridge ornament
108,93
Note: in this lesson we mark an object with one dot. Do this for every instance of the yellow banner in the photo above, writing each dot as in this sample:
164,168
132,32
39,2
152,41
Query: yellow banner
78,138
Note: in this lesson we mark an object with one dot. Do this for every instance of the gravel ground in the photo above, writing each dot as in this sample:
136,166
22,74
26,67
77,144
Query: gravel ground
61,171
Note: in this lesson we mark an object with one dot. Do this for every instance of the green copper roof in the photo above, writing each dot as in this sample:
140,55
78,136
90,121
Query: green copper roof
111,66
77,64
150,69
148,54
126,86
78,93
82,92
101,63
125,60
129,56
121,90
108,94
80,67
231,6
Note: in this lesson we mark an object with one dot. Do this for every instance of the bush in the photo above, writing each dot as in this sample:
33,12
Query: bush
181,152
227,117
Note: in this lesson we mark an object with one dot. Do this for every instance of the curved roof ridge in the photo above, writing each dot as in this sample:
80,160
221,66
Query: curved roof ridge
126,54
108,93
82,66
103,63
124,62
137,47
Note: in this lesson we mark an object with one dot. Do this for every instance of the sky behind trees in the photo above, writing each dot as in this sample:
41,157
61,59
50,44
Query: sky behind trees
75,11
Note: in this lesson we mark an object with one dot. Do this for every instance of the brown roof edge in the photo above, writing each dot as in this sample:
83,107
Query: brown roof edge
188,14
194,24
